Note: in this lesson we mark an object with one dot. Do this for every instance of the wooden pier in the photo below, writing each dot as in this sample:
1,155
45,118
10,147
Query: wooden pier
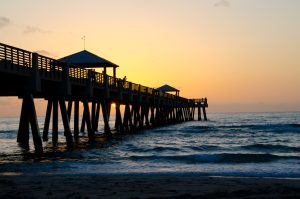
29,75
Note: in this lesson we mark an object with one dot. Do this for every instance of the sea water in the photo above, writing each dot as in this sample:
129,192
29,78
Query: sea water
228,144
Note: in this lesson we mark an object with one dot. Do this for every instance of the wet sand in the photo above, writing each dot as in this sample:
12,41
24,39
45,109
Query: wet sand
45,186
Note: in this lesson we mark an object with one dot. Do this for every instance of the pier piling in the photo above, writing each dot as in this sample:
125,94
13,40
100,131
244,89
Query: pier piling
23,132
28,116
47,120
76,119
66,122
87,120
55,122
105,112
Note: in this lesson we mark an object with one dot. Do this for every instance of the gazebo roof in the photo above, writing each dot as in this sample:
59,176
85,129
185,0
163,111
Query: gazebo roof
167,88
87,59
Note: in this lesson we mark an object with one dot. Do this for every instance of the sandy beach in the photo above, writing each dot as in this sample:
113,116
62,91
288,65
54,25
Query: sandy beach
45,186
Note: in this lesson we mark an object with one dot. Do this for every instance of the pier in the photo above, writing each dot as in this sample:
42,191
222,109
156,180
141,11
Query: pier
65,86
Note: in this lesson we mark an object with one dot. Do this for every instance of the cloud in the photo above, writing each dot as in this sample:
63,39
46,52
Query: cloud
45,53
4,21
31,29
222,3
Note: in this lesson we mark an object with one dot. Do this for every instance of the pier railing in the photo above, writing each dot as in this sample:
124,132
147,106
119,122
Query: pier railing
15,55
15,59
50,68
19,60
78,75
99,78
199,101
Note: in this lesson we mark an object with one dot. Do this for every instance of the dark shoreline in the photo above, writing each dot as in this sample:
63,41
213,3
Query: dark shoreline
96,186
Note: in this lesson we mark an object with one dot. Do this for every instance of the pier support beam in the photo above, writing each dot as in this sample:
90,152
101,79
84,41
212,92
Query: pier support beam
94,115
82,128
152,120
191,113
69,109
76,119
55,122
47,120
178,114
87,120
174,115
144,115
97,115
106,118
204,113
199,113
181,114
125,119
23,132
28,116
127,123
157,116
108,105
136,116
118,124
194,113
65,118
37,141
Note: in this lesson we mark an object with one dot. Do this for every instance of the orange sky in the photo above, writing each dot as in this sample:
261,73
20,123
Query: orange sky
230,51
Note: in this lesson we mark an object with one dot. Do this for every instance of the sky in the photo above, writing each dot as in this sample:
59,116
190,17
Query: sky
243,55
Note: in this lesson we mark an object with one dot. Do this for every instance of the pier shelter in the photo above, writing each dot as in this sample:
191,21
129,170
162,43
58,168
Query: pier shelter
166,88
89,60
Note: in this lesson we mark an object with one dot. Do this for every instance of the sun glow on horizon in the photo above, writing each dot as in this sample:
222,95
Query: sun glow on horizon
243,53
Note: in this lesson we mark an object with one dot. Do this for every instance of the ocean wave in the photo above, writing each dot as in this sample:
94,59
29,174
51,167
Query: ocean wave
236,126
8,131
295,125
8,134
275,128
200,129
205,148
154,149
271,147
215,158
163,130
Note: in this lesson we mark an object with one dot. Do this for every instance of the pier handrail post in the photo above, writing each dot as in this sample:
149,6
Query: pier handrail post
120,88
114,76
159,98
106,87
90,83
153,96
147,95
139,95
205,102
130,91
145,108
66,80
36,81
139,109
157,107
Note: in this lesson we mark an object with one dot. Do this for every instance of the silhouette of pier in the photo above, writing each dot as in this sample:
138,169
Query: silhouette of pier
64,86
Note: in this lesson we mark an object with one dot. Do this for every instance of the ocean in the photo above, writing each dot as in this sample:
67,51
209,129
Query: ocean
228,144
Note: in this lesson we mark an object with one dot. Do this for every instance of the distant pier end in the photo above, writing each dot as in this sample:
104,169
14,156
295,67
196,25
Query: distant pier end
72,79
198,103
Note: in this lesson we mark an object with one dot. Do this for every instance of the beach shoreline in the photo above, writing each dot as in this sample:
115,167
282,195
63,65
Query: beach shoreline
96,186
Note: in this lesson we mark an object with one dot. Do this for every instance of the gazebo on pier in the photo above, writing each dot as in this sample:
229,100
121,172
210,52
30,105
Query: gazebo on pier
89,60
166,88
